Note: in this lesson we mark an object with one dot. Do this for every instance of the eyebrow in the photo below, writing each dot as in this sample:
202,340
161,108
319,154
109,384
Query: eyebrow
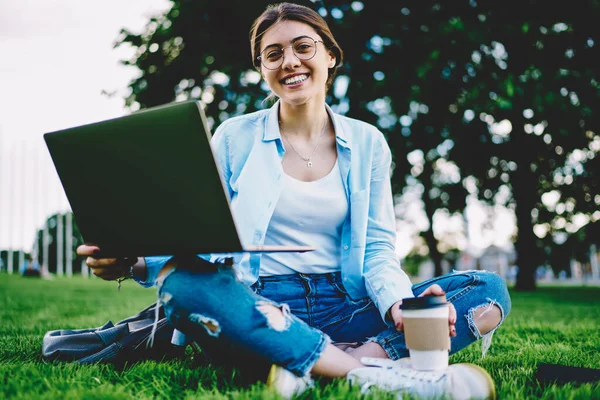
292,41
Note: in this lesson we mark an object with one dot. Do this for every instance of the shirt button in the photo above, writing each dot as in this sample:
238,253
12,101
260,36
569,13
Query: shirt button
346,247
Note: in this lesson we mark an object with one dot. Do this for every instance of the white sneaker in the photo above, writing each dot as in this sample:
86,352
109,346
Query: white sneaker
458,381
386,362
286,383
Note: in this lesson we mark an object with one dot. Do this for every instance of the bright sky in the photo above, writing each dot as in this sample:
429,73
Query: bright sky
56,58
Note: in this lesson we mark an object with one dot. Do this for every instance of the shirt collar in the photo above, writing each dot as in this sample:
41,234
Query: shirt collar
272,126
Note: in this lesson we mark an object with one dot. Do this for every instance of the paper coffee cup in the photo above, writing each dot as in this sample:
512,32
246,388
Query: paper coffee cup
425,322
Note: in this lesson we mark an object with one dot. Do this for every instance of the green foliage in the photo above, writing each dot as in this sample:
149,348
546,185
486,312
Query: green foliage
412,262
437,78
554,325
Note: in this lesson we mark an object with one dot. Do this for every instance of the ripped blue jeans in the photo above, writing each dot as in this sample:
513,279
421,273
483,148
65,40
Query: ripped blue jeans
289,319
321,301
233,325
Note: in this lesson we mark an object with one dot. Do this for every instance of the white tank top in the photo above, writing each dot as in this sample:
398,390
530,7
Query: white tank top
307,214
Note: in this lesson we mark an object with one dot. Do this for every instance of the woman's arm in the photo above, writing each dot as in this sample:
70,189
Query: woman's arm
142,270
385,280
220,147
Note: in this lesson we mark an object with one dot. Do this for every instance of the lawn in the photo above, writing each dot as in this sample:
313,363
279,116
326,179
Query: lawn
554,325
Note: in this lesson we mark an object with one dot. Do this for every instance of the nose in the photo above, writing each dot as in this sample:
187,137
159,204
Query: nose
289,58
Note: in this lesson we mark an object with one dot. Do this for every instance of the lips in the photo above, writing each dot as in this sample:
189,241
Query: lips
294,80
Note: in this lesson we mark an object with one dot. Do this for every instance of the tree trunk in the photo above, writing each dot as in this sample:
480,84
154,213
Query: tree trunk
435,255
428,235
524,184
526,249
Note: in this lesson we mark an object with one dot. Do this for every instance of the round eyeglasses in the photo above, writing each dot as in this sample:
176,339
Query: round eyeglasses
304,49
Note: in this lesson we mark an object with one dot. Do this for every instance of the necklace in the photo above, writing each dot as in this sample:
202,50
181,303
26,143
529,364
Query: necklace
308,159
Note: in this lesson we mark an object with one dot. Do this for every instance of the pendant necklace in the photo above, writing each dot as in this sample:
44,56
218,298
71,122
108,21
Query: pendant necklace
308,159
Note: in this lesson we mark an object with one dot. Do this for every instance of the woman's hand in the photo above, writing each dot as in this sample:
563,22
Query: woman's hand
109,269
433,290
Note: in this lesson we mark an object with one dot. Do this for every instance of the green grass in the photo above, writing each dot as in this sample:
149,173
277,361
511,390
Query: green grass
554,324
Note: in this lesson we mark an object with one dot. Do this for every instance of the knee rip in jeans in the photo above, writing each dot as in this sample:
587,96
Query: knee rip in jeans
278,317
165,298
475,314
165,272
210,324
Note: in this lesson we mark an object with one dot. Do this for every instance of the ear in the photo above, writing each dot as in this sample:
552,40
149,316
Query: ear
332,60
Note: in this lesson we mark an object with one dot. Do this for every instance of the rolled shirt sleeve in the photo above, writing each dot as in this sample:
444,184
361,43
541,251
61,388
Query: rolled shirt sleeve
385,281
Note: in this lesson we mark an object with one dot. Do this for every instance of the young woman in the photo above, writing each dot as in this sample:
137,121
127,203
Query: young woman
299,174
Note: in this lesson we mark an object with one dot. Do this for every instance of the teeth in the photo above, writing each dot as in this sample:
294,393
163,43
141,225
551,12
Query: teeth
295,79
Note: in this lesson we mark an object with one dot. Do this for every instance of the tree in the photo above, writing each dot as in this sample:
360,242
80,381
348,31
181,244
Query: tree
528,110
508,91
502,94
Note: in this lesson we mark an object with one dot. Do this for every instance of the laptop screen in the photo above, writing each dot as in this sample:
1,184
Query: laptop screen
146,183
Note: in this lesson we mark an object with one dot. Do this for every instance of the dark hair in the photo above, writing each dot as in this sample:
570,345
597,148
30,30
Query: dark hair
275,13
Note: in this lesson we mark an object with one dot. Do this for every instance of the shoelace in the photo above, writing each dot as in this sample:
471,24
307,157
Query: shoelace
402,372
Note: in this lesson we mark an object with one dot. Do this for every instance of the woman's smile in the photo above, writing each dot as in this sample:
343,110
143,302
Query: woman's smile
294,80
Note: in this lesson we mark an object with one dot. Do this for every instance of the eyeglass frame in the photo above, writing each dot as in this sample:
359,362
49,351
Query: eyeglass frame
260,58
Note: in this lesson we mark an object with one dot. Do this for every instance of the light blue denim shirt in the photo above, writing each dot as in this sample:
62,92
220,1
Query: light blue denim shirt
249,151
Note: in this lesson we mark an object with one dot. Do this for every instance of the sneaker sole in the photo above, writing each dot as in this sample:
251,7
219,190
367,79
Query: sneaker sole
487,377
272,377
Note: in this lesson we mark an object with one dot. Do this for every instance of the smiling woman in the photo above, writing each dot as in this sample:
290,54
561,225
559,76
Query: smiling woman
334,311
272,34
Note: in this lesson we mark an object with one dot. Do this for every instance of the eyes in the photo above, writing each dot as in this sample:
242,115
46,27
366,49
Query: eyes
301,48
304,48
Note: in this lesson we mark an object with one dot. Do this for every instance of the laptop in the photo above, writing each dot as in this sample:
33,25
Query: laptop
147,184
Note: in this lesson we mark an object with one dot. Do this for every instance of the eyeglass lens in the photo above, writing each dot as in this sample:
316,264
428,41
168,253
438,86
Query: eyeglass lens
304,49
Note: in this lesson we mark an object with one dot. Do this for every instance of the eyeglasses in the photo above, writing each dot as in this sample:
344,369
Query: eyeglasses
304,49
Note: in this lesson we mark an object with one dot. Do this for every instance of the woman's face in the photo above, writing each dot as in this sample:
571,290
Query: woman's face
296,81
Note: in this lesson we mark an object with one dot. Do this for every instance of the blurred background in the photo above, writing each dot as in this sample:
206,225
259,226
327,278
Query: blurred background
490,109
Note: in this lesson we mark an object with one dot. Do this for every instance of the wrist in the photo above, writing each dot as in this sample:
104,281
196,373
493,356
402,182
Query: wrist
388,314
138,270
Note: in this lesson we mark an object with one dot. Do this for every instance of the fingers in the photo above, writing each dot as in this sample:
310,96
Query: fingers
396,314
109,274
433,290
110,268
436,290
101,262
87,250
93,262
399,325
106,268
452,319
